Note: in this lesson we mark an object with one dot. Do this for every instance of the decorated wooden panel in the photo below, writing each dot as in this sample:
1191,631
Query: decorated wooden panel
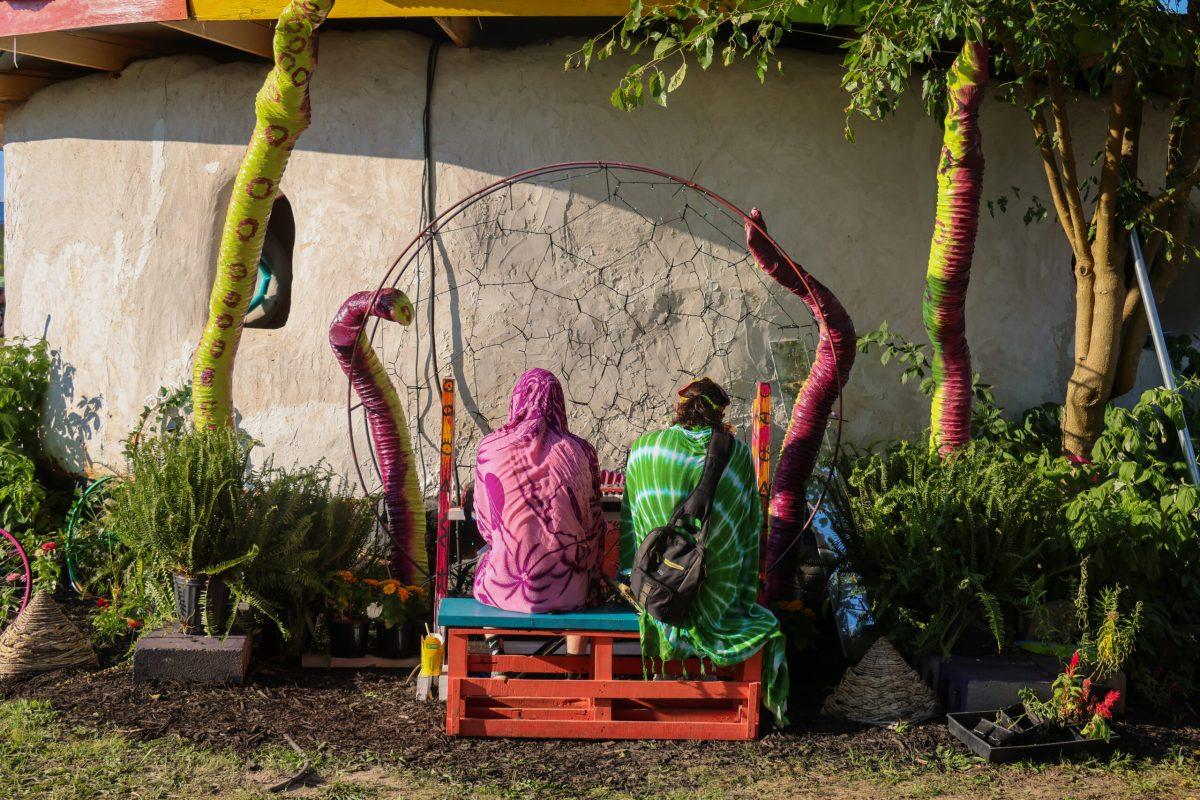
269,9
39,16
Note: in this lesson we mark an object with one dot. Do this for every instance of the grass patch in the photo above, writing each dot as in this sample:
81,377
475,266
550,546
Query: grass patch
43,755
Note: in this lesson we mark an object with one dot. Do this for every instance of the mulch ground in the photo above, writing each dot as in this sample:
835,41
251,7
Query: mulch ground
374,713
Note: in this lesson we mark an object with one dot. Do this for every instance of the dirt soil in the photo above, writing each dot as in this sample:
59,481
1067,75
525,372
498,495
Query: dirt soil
375,713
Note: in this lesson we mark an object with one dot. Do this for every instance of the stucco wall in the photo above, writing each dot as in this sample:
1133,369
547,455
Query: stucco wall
113,198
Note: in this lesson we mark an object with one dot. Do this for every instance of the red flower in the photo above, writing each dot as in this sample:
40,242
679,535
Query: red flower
1074,665
133,623
1105,707
102,603
49,546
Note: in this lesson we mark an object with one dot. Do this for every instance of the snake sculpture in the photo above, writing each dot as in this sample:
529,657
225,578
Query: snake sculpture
943,307
790,548
282,113
385,417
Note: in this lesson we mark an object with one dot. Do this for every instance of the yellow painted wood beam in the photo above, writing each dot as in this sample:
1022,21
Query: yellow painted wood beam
269,9
461,30
249,36
15,88
79,48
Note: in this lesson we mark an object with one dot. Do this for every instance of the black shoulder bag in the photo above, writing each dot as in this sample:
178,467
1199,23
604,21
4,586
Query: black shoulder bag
669,564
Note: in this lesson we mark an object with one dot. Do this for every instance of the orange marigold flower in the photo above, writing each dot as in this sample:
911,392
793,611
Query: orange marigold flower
390,587
345,575
402,594
370,581
133,623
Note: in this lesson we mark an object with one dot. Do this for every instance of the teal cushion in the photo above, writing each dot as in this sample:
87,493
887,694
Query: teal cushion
467,612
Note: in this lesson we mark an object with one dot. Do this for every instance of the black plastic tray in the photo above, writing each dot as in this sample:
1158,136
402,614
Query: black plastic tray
962,724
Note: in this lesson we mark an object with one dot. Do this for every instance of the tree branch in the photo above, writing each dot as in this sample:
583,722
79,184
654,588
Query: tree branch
1171,196
1045,149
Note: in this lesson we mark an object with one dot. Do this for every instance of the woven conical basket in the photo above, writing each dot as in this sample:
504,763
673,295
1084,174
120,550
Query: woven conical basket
881,690
43,639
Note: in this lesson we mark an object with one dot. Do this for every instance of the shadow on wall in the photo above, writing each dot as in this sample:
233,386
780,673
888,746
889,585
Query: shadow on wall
70,422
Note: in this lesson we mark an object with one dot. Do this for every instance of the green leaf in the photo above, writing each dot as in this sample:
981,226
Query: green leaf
657,91
704,52
664,46
677,79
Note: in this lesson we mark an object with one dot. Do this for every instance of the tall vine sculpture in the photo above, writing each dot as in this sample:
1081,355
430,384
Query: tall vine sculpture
385,416
787,552
960,184
282,113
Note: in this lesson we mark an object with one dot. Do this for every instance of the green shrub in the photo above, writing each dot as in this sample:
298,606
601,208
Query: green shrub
947,546
306,526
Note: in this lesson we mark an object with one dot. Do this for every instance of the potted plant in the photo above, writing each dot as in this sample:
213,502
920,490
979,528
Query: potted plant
401,609
1078,713
347,599
181,512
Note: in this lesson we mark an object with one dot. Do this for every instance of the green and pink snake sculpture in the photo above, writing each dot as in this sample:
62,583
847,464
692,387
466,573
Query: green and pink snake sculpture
385,416
281,115
960,184
790,548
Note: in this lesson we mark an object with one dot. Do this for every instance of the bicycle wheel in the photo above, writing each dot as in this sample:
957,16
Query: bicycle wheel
91,550
16,579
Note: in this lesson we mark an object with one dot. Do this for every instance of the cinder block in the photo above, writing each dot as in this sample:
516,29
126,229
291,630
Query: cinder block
163,656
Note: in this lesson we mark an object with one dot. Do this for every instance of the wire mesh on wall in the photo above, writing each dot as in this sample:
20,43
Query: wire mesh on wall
623,281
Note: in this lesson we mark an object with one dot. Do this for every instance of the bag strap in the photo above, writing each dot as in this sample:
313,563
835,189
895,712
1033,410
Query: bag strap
698,504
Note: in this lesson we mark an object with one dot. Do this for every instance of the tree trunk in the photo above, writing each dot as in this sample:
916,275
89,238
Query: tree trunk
281,115
960,184
1100,299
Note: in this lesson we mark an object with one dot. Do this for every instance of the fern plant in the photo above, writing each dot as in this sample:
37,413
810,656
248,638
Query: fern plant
306,526
944,546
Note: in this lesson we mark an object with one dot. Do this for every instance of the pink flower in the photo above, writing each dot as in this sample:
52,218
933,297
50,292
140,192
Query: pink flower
13,577
49,546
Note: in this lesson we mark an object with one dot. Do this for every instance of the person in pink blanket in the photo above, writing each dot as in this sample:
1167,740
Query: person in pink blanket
537,504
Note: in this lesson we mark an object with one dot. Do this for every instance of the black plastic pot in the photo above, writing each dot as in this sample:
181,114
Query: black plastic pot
187,603
962,726
396,641
348,638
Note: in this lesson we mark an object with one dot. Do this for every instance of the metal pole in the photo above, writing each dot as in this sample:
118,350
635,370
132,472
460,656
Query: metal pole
1160,346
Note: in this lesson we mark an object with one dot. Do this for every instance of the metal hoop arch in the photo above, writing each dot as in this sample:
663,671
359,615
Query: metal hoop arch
28,572
396,271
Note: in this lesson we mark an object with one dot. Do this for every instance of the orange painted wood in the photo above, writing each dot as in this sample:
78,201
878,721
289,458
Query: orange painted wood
613,689
600,705
614,729
40,16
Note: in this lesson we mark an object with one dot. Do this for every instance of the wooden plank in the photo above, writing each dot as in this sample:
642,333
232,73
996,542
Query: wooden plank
19,17
269,9
616,729
81,48
445,477
611,690
247,36
16,88
322,661
461,30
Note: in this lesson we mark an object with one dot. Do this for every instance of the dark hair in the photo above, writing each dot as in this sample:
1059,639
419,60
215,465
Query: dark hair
701,404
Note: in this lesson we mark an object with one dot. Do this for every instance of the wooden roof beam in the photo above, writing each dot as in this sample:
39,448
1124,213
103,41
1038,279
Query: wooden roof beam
244,35
461,30
80,48
16,88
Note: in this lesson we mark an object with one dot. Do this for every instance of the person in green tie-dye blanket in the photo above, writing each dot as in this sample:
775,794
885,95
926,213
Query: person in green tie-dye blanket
727,625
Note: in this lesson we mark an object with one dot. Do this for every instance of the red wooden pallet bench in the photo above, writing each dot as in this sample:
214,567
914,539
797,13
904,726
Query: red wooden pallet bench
595,696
